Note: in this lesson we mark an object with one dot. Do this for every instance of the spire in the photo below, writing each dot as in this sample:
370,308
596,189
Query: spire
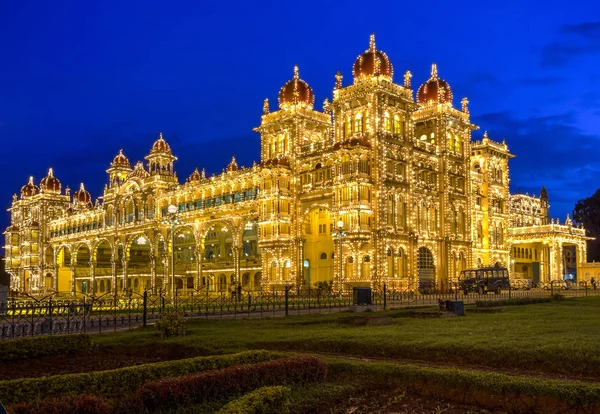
465,105
434,72
50,172
266,106
372,42
407,77
160,135
296,72
81,187
485,135
338,80
31,180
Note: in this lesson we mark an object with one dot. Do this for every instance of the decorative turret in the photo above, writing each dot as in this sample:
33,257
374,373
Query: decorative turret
195,176
139,171
545,205
82,197
50,183
372,62
233,166
119,169
160,159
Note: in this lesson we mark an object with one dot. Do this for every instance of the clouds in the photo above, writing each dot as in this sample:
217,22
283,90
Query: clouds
575,40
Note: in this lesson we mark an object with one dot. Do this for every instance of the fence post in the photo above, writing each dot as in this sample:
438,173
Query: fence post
287,289
384,297
50,315
145,314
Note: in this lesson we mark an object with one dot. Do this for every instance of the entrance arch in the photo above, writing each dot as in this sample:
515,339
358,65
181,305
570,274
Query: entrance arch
317,228
426,270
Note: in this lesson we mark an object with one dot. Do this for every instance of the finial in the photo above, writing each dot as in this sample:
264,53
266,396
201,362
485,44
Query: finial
31,179
81,187
372,41
266,106
434,73
326,105
465,105
67,190
50,172
338,80
407,77
485,135
160,135
203,173
296,72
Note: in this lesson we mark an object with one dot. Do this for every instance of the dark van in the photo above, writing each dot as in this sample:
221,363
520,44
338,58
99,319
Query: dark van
484,280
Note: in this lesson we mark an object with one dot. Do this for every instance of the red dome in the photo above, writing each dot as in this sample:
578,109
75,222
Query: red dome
296,91
50,183
82,196
120,160
373,62
435,90
29,189
232,165
160,145
195,176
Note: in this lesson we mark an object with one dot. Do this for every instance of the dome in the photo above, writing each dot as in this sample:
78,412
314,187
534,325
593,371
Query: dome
50,183
120,160
296,91
29,189
160,145
82,196
435,90
139,171
232,165
373,62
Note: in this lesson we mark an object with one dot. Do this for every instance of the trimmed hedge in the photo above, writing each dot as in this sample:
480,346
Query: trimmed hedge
264,400
40,346
228,382
509,393
83,404
118,381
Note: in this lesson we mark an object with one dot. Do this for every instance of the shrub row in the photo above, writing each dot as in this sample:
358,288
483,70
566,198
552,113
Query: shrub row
498,391
264,400
40,346
511,302
119,381
228,382
83,404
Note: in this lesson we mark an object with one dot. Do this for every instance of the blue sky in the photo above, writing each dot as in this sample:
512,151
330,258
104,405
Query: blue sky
79,80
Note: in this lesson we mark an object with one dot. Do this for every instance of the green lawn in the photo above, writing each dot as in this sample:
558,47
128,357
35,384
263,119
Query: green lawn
558,337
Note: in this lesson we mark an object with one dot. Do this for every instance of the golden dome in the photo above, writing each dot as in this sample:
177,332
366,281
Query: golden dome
160,145
29,189
82,196
120,160
373,62
50,183
435,90
296,91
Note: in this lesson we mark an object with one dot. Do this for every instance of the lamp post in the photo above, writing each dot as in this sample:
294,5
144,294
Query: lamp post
340,233
172,221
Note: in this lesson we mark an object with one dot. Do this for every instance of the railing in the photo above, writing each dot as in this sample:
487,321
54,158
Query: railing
65,314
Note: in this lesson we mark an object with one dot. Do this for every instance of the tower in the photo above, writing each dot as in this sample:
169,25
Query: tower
160,161
545,206
119,170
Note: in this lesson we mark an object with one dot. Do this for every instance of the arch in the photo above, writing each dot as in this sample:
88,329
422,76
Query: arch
317,226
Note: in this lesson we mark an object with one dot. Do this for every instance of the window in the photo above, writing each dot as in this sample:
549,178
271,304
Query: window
323,256
398,125
387,122
358,125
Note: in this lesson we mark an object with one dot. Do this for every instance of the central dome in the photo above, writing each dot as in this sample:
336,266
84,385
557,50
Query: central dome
50,183
373,62
82,196
296,91
435,90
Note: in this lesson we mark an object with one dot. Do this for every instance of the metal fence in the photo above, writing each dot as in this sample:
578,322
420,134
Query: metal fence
31,316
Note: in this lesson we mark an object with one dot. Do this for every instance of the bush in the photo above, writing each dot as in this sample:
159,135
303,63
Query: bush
83,404
40,346
171,323
119,381
232,381
264,400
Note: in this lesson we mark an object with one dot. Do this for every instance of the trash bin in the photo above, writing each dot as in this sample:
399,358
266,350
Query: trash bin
457,307
361,296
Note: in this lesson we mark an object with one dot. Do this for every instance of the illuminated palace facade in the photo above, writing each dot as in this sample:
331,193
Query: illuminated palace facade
377,187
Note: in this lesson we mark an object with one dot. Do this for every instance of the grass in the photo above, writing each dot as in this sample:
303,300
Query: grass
558,336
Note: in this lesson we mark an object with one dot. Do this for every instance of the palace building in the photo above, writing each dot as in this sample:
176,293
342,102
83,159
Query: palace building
379,186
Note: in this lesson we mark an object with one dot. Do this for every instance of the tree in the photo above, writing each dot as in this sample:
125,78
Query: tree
587,212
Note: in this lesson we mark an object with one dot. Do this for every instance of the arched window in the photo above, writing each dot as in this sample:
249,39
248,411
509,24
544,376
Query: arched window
387,121
398,125
323,256
358,125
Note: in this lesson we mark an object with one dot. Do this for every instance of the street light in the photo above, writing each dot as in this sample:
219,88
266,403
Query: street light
340,233
172,221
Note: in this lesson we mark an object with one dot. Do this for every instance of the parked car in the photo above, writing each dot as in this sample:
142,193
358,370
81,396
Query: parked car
521,284
555,284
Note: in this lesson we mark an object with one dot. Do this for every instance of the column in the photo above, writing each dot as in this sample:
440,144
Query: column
92,277
200,263
73,286
236,263
113,282
152,273
125,281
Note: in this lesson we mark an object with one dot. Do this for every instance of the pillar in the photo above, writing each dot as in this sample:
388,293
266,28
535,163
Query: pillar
125,281
92,277
73,286
152,273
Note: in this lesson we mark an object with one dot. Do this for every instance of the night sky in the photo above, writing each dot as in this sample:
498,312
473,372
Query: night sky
80,79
